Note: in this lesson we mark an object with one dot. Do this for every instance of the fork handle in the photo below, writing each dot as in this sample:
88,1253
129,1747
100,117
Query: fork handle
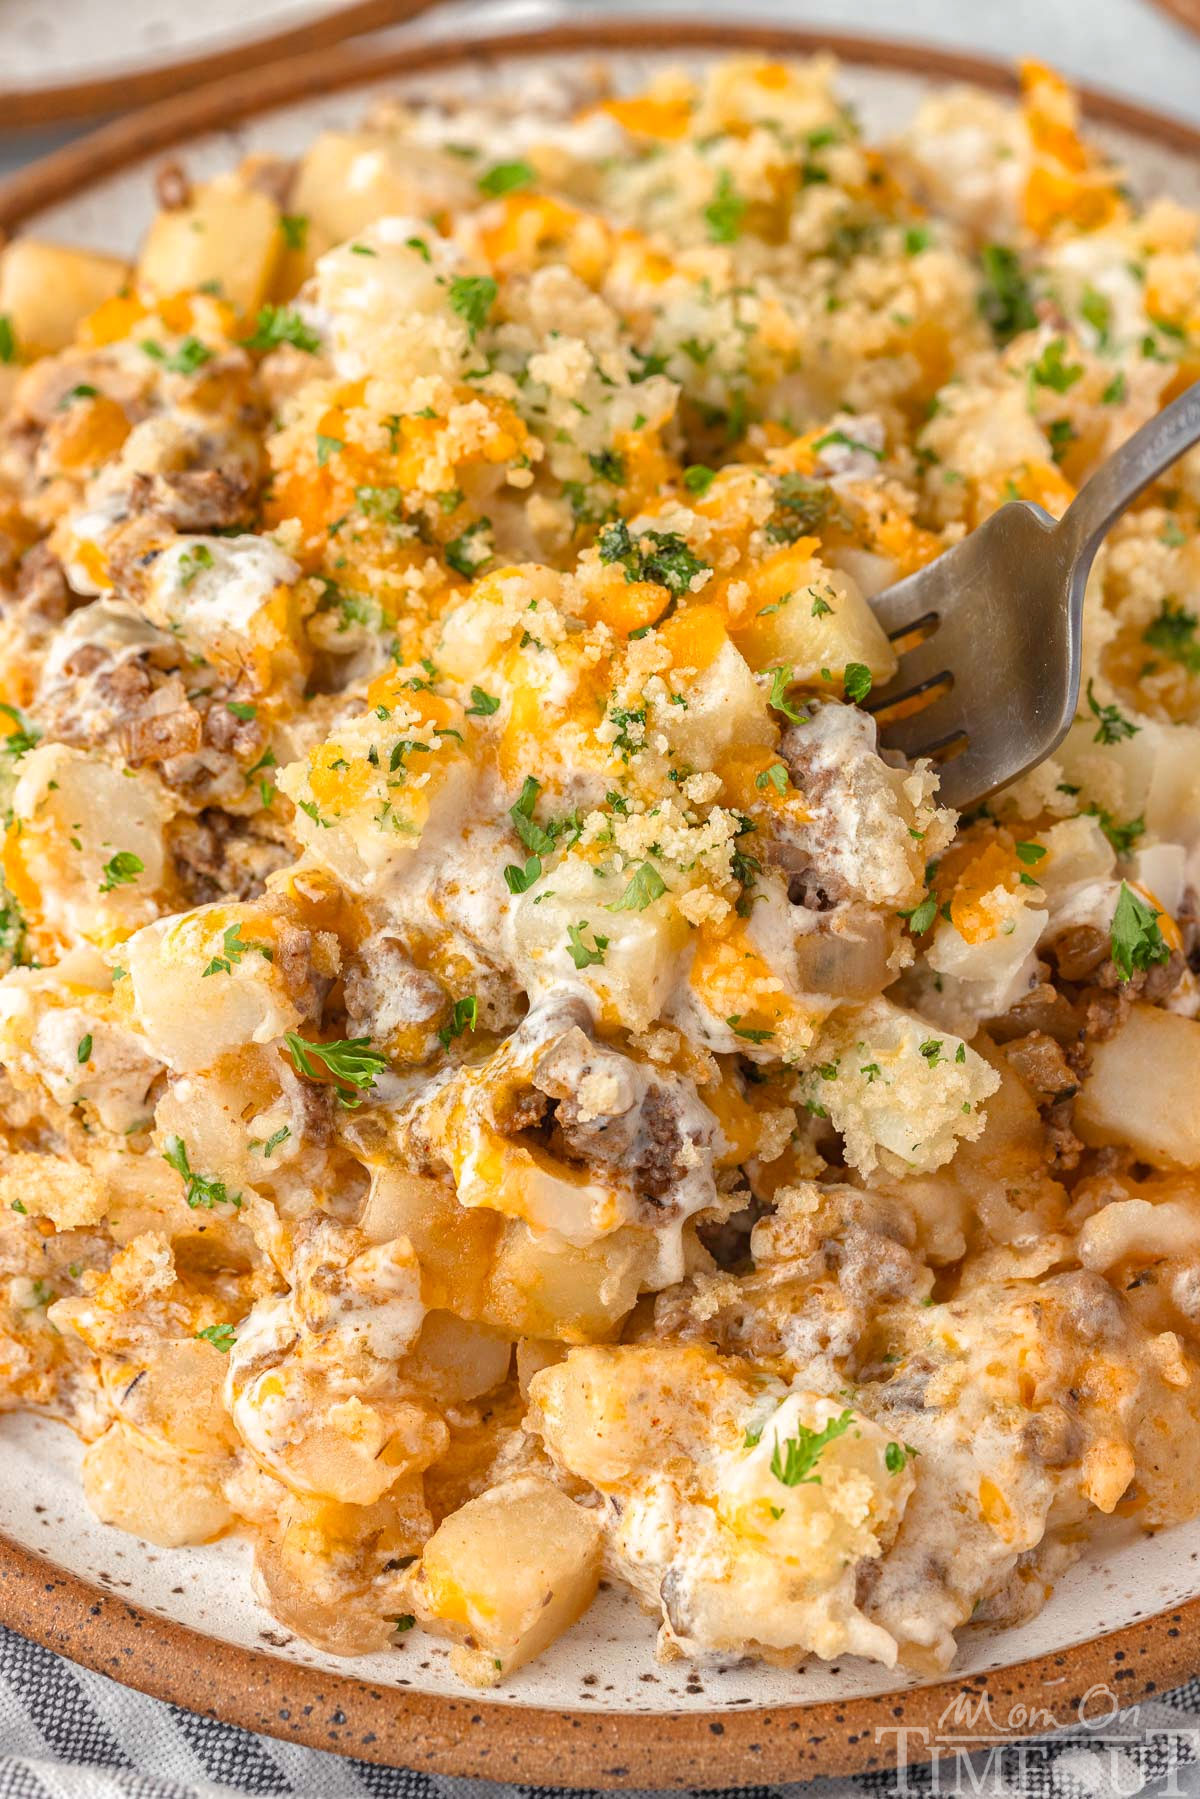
1146,455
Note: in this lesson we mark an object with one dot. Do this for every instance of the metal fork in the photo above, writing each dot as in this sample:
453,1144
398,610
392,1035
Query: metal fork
988,634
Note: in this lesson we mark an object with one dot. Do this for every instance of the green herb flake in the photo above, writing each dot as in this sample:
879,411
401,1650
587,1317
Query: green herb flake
725,211
734,1021
793,1460
235,947
464,1016
1113,725
856,682
221,1336
348,1059
1005,301
121,870
277,325
645,886
581,954
192,563
294,226
781,680
698,478
472,298
1137,942
202,1192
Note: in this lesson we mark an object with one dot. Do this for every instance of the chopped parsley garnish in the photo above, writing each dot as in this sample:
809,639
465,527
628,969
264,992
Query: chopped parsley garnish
277,325
505,178
273,1141
1114,393
120,870
609,465
645,886
472,298
83,1049
1030,853
1122,837
221,1336
659,556
189,356
734,1021
1113,725
294,226
1051,371
1097,312
1005,301
781,680
581,955
348,1059
1137,942
192,563
931,1049
386,504
847,442
896,1457
1174,633
698,478
520,880
235,947
482,704
776,776
725,211
464,1016
916,239
537,840
856,682
327,447
201,1191
921,917
8,339
471,549
793,1460
23,737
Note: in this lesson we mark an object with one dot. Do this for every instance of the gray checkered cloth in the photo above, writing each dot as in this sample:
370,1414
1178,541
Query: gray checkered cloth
66,1733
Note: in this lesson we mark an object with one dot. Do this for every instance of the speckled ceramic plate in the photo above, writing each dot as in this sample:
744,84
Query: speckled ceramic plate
598,1709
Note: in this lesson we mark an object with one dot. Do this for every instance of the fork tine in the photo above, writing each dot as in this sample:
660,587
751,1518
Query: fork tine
898,608
931,728
912,699
929,659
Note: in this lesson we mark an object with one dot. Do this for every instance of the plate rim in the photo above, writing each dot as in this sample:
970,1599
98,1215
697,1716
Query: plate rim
34,105
473,1735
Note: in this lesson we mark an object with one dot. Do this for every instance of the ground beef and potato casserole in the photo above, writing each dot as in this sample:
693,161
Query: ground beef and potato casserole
501,1079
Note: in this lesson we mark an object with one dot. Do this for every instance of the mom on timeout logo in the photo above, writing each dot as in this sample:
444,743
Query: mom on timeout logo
975,1745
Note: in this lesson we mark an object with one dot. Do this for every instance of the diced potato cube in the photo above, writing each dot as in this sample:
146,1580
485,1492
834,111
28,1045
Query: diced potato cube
85,854
714,700
46,289
195,997
542,1286
160,1497
813,618
506,1574
1144,1089
348,179
643,946
227,235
